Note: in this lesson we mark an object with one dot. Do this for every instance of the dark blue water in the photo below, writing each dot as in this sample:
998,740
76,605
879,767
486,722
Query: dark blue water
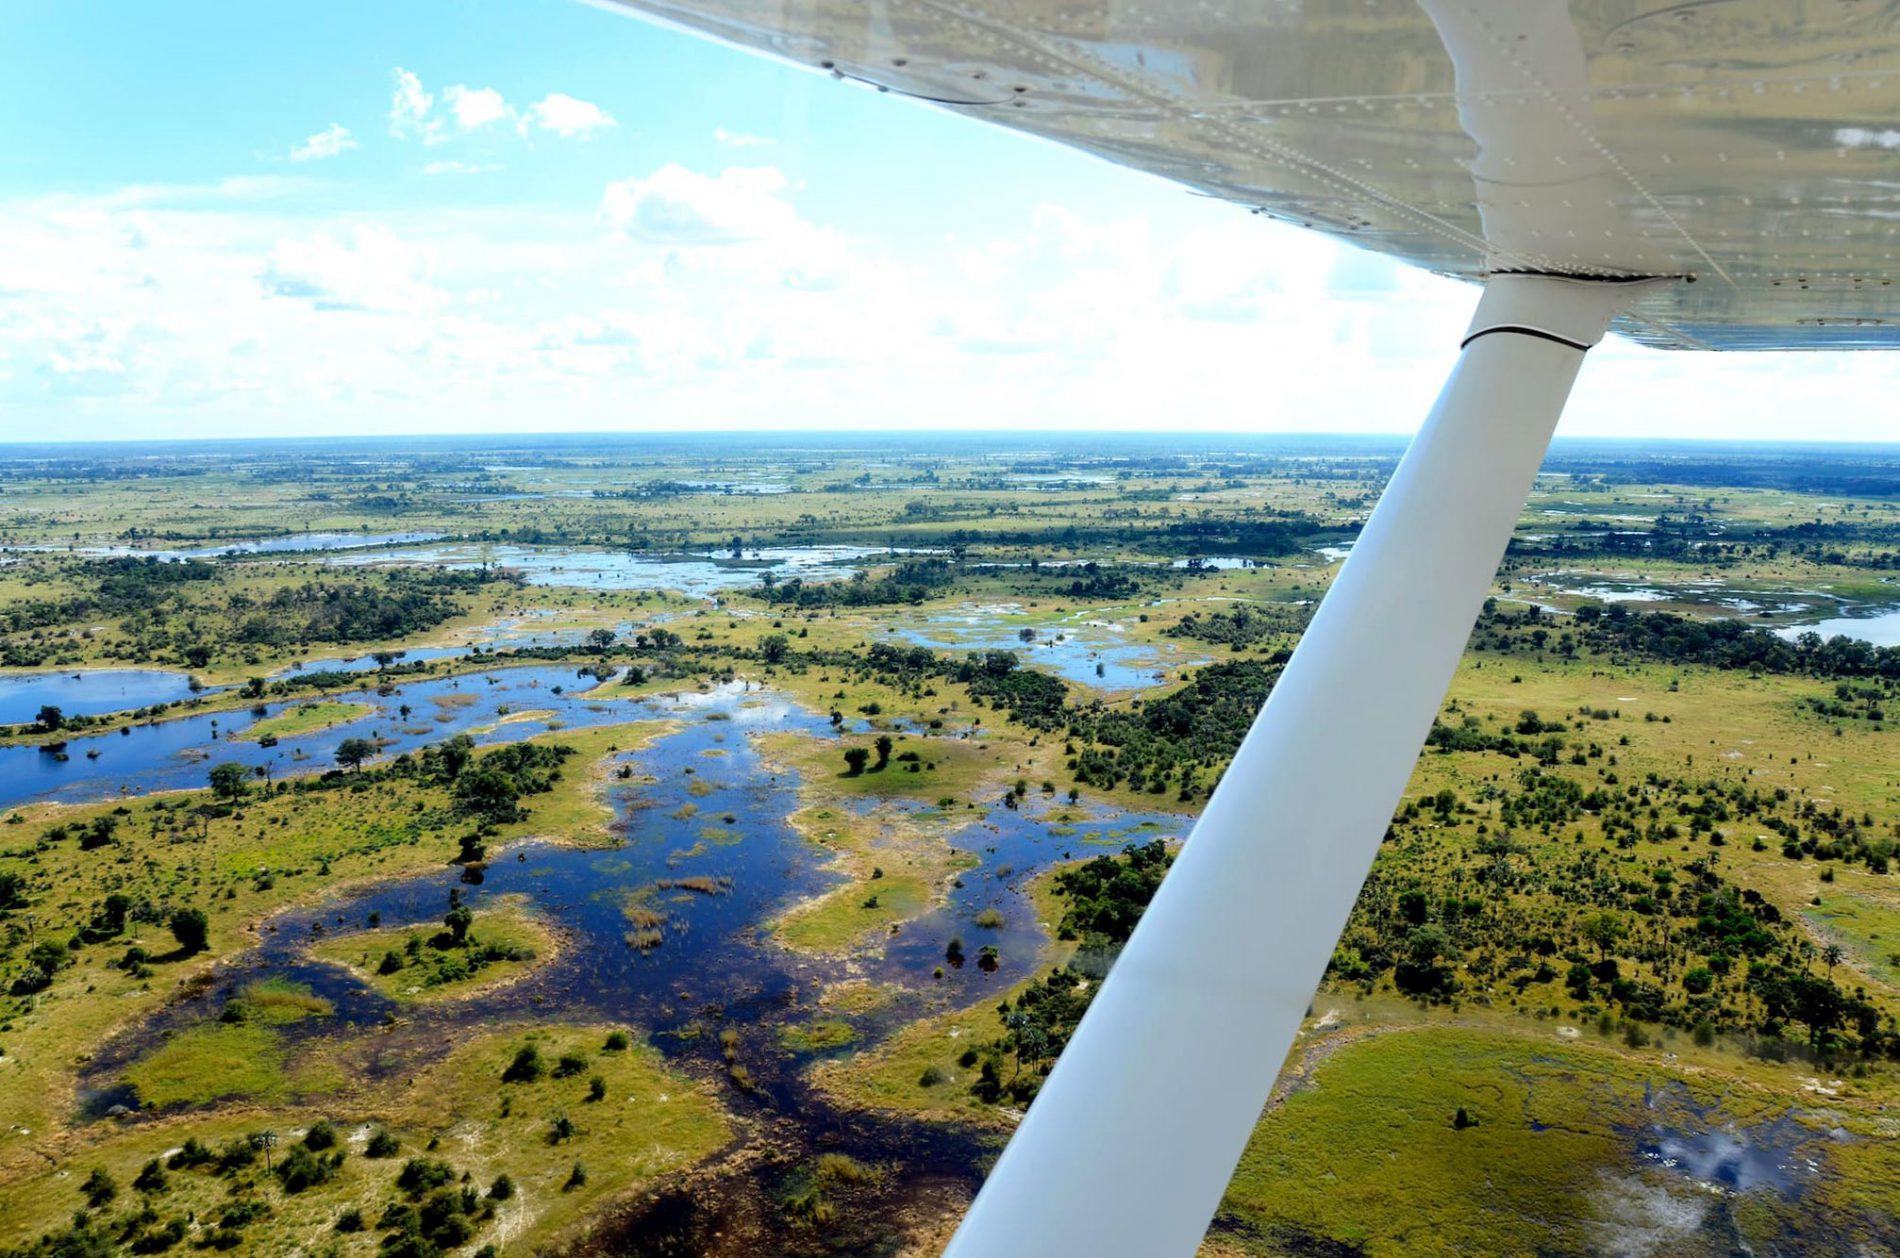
1010,846
716,951
717,966
178,754
88,692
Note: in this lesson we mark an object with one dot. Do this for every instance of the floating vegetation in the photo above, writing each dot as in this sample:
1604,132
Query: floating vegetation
698,884
646,927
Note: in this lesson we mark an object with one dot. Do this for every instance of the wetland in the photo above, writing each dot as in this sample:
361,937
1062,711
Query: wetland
668,850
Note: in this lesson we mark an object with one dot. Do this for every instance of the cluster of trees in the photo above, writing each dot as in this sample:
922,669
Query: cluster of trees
452,954
404,602
1494,918
1104,898
1177,741
173,611
1244,625
911,582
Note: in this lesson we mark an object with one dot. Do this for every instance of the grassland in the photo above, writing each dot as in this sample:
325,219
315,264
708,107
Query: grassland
240,865
647,1121
421,963
1365,1149
306,718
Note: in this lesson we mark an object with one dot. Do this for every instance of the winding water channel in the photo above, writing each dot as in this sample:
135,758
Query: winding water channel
717,967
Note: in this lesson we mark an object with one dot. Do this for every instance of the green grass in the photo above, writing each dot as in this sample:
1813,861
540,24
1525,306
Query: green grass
209,1062
510,926
1367,1154
280,1002
306,718
652,1121
817,1036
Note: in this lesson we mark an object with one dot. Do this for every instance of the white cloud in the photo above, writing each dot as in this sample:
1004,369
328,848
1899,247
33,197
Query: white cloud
704,298
567,116
740,139
409,110
474,107
682,206
413,112
460,168
329,142
373,270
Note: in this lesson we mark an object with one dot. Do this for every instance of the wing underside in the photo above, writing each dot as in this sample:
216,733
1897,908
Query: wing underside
1751,145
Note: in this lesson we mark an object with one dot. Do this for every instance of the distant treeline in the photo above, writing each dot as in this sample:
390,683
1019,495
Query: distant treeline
1668,638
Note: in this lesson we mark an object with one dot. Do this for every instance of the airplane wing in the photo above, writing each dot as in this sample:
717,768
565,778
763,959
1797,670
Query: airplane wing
1751,144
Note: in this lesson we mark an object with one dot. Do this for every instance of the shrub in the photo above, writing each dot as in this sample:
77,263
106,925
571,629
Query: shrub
525,1068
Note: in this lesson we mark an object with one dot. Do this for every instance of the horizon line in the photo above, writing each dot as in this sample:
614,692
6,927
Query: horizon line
1012,434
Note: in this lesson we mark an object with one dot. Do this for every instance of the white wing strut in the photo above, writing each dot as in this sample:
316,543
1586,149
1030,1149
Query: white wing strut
1136,1132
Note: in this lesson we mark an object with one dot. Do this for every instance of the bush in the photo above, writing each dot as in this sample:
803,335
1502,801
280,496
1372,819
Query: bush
302,1169
420,1175
525,1068
381,1145
98,1188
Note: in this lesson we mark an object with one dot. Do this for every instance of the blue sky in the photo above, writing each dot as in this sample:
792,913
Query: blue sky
228,219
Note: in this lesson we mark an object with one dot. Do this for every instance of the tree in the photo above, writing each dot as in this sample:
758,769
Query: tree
1605,930
455,755
601,639
774,647
45,959
1832,956
855,758
352,752
487,793
227,779
192,929
458,920
883,751
51,718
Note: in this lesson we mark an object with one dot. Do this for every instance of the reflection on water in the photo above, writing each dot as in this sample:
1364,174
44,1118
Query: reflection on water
1083,648
1690,1139
701,576
87,693
177,754
1881,627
